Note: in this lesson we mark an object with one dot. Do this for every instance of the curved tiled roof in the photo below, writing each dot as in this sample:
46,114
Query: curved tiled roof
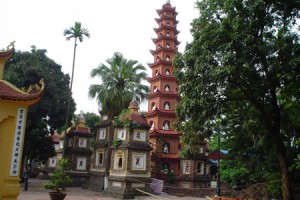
8,53
79,129
140,120
10,92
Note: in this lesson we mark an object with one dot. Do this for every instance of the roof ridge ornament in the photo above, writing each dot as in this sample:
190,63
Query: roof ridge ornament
5,55
168,2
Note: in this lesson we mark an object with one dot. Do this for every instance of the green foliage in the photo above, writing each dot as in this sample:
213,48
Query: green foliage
236,176
244,63
171,177
296,163
124,120
274,184
91,121
121,79
59,180
117,142
76,32
28,68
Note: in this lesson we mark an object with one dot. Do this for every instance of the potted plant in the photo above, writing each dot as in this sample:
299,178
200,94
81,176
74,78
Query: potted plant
58,182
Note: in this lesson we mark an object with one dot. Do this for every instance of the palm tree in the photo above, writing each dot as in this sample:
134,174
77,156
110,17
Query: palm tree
79,33
121,81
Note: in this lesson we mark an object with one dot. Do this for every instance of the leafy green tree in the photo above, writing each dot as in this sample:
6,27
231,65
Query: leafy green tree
78,33
91,121
121,80
243,54
28,68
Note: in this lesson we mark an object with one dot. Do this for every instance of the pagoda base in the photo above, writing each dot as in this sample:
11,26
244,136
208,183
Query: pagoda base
127,187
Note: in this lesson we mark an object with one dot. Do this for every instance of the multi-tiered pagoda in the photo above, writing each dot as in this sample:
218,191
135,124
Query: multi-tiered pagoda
166,162
164,96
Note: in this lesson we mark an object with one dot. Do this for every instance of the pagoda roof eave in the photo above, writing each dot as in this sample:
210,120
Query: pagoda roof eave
12,93
167,27
167,8
167,94
166,133
161,76
7,54
161,112
163,37
169,156
160,62
165,49
166,17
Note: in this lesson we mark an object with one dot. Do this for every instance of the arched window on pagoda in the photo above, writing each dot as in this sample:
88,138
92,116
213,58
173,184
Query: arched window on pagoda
167,106
156,72
154,88
167,72
158,46
166,125
167,88
120,163
151,124
168,34
168,45
153,106
167,58
166,147
157,59
165,168
168,23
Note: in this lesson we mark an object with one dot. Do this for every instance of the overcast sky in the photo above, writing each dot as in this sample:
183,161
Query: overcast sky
115,25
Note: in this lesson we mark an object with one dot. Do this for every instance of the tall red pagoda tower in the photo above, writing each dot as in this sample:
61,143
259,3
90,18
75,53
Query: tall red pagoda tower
163,97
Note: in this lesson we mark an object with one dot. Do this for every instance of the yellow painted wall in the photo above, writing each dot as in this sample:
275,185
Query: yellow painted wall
9,185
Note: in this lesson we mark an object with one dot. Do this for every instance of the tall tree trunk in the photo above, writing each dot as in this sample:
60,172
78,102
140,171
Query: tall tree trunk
281,156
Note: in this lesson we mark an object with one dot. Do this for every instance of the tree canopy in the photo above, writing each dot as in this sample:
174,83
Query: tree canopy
121,81
28,68
244,57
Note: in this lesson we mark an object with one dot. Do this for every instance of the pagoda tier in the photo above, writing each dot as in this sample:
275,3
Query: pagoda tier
165,17
167,9
161,113
159,62
164,49
164,37
165,133
166,27
169,156
164,94
160,76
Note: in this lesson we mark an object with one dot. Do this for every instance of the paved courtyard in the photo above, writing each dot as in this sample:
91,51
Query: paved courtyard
37,192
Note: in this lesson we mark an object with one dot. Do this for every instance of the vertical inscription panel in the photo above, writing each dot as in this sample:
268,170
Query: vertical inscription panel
17,143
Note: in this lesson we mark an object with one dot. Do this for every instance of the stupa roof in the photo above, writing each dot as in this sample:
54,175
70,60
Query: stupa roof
79,128
132,115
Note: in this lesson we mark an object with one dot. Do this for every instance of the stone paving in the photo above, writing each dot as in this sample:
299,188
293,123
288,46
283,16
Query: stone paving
37,192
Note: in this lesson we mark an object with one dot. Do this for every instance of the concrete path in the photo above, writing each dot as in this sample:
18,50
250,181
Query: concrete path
37,192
